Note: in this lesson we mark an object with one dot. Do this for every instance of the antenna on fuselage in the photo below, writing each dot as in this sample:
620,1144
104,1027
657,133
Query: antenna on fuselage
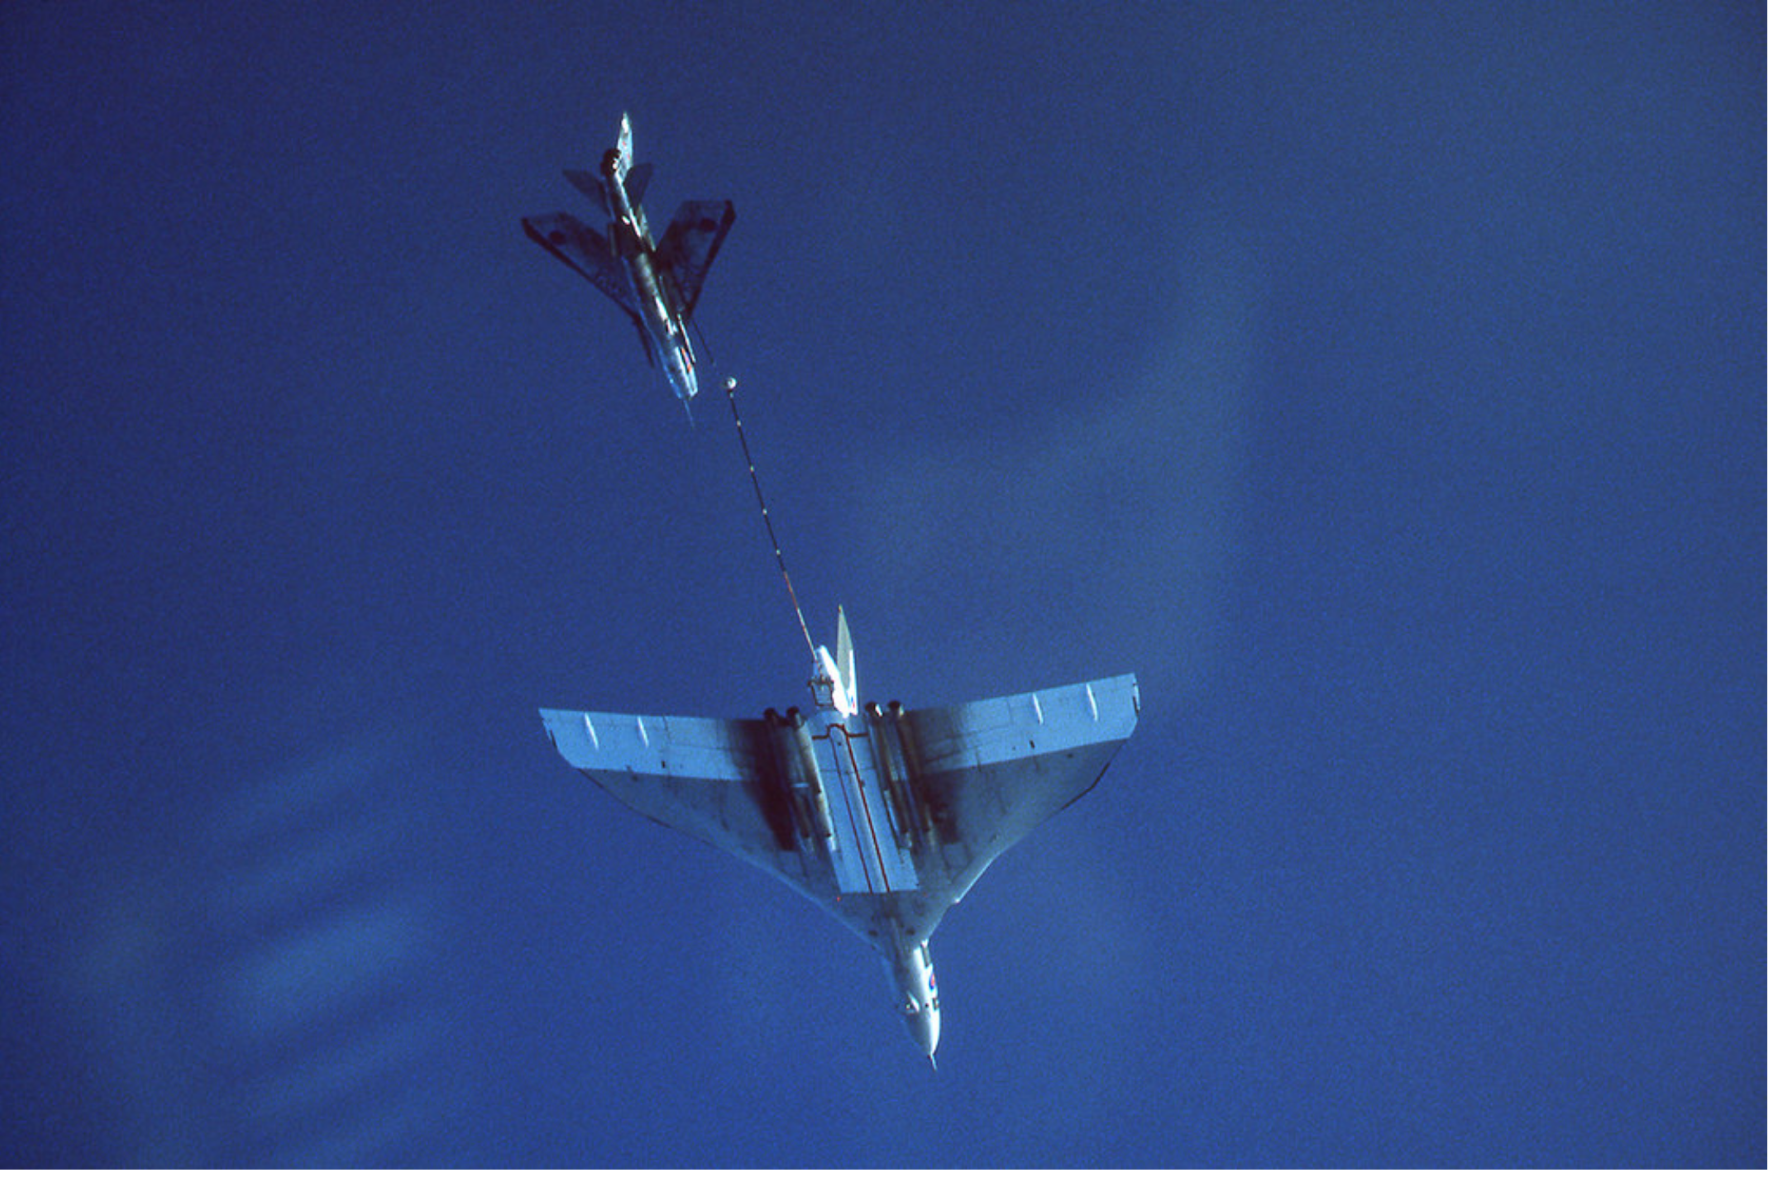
760,497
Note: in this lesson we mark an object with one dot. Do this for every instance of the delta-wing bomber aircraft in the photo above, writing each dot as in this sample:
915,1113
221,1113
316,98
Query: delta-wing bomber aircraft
656,285
882,817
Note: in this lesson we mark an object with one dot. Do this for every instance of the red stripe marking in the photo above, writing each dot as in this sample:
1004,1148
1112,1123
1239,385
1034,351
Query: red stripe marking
870,828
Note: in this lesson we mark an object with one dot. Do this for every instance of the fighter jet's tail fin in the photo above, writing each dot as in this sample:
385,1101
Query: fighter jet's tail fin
620,162
625,150
690,246
843,660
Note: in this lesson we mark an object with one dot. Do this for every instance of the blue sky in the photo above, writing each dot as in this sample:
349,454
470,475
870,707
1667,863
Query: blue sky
1383,384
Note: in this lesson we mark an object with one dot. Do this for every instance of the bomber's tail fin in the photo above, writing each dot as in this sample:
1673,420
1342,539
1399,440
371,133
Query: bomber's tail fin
843,661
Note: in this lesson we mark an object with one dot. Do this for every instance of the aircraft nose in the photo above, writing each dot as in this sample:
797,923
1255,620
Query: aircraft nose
923,1028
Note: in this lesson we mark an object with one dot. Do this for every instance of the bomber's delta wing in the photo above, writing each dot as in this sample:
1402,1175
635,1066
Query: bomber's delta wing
712,779
987,773
885,820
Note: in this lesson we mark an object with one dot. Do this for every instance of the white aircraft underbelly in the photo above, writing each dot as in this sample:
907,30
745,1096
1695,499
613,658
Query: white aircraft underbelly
863,847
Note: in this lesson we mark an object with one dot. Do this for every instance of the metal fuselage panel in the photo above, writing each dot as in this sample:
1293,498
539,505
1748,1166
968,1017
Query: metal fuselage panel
866,847
659,313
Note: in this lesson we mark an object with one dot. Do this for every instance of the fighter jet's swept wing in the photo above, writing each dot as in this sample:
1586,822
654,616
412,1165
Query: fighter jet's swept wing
691,244
941,791
585,250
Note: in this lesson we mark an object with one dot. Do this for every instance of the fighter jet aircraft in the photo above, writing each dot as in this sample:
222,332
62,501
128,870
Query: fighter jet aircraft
883,817
657,285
